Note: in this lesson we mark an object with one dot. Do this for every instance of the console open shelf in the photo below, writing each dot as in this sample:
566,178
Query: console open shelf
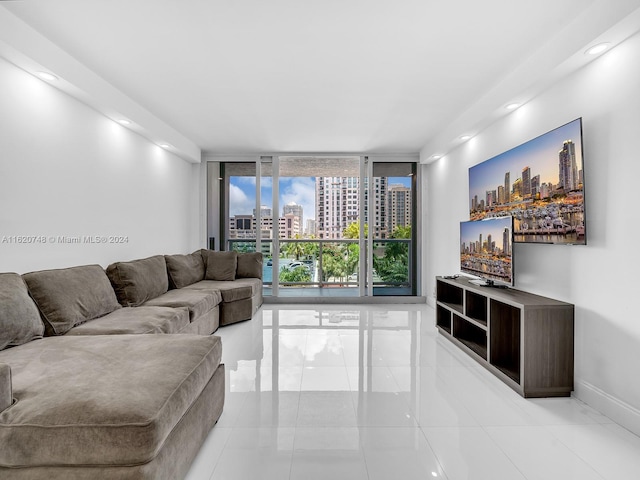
450,295
472,336
526,340
443,319
505,339
476,306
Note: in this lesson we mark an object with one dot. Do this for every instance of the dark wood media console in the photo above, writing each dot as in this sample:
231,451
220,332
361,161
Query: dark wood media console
525,340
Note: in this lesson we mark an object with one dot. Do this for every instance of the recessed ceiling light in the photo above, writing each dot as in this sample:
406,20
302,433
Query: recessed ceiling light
124,122
47,76
512,106
165,145
596,49
436,156
464,138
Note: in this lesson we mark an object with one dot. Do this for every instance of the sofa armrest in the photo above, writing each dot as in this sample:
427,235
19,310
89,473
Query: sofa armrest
6,394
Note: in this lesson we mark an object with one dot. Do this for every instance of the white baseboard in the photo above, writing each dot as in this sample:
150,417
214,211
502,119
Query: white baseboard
620,412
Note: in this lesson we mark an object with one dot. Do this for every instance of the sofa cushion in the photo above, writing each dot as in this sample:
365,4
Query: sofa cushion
70,296
101,400
221,266
249,265
129,320
19,317
6,394
237,292
231,291
184,270
198,302
138,281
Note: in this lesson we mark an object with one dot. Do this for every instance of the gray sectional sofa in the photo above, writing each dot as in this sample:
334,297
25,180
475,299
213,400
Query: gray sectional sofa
218,288
88,391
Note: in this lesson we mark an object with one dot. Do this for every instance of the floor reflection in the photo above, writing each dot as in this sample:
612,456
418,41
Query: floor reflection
373,392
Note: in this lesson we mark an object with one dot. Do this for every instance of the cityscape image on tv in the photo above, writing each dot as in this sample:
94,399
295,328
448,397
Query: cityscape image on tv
539,183
486,250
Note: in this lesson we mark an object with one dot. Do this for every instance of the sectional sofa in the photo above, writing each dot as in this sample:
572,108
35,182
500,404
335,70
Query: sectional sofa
114,375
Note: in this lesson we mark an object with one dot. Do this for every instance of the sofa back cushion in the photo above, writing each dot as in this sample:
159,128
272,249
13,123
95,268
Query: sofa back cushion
19,317
137,281
220,265
249,265
71,296
184,270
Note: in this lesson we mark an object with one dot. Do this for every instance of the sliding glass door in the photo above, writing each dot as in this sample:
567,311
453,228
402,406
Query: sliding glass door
319,225
393,245
337,226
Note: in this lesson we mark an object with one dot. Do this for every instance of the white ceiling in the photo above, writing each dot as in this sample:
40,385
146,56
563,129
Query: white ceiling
343,76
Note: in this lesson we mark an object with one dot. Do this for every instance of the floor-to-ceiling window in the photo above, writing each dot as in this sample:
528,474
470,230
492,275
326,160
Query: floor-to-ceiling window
317,211
393,250
336,226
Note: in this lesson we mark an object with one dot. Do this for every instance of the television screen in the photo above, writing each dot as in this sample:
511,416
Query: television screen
539,183
486,249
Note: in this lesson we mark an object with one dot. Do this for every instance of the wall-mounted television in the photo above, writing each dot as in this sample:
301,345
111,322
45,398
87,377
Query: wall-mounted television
486,250
539,183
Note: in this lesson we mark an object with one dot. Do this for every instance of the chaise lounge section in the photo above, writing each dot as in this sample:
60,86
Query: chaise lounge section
119,407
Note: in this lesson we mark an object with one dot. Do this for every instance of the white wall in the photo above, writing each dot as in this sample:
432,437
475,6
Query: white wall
601,279
66,170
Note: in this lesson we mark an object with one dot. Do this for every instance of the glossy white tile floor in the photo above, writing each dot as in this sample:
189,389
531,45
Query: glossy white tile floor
373,392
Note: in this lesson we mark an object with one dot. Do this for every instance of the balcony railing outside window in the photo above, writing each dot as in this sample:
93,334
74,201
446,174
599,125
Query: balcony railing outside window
334,263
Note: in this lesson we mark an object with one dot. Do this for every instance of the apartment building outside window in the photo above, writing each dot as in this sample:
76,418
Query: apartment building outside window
336,225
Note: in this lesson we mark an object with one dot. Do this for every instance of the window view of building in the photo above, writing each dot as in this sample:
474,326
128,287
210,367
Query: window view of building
399,206
317,223
337,207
